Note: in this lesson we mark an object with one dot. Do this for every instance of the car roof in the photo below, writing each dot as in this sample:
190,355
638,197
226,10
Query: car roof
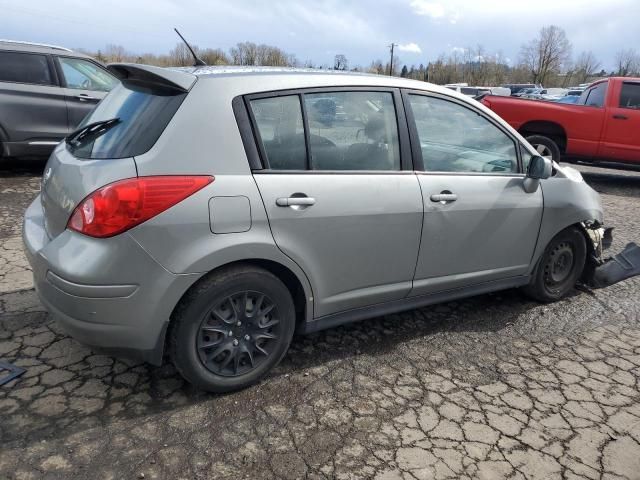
293,77
29,47
233,81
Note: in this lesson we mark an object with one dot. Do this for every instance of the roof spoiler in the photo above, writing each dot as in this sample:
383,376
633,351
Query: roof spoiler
182,81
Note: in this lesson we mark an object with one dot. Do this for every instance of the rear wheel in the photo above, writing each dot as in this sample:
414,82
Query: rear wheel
232,329
560,267
545,146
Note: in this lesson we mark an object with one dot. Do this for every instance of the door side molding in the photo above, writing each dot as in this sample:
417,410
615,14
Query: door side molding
409,303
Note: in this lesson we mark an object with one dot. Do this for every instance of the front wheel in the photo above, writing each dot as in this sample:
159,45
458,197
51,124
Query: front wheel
232,328
545,146
560,267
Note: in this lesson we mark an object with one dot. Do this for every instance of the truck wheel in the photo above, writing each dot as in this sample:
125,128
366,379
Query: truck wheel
545,147
232,328
559,268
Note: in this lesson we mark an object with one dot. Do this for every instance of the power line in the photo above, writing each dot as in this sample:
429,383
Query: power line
64,19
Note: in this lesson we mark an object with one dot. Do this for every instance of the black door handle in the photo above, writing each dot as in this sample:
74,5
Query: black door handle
620,117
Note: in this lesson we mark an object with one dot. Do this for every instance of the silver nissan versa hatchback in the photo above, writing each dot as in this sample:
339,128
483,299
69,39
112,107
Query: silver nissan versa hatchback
210,213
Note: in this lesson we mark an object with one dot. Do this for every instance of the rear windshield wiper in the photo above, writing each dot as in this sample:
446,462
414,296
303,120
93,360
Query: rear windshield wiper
91,131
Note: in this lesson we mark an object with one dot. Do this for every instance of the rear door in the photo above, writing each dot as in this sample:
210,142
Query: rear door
85,84
479,223
339,191
622,132
33,111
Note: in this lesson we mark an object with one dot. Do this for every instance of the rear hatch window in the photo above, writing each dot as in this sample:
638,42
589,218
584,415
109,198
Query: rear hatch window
127,122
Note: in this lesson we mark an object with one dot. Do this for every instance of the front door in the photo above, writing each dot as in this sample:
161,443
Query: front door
479,223
622,138
338,200
85,85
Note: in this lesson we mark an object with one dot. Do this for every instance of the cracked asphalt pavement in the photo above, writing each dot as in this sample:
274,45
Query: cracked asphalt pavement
492,387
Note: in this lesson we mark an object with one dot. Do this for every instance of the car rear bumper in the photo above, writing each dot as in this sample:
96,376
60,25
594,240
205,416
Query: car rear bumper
107,293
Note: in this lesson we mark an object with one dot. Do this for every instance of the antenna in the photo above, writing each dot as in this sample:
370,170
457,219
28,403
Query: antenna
196,61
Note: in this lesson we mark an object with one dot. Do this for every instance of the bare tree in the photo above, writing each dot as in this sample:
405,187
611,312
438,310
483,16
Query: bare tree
249,53
180,56
115,53
587,65
547,54
340,62
628,62
214,56
376,67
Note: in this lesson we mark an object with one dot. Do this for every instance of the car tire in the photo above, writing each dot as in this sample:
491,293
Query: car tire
232,328
545,147
559,268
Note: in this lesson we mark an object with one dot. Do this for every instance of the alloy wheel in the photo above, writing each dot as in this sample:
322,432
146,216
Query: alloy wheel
543,151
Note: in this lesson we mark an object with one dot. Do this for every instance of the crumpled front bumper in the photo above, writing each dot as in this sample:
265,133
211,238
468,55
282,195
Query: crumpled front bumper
603,272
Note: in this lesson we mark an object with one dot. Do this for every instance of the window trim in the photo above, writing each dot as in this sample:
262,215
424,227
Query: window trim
62,79
591,89
261,161
418,161
55,80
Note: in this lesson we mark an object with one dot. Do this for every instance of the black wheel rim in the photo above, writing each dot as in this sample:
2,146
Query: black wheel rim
559,265
238,334
543,151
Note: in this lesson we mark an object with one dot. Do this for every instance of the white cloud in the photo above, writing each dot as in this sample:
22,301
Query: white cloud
410,47
427,8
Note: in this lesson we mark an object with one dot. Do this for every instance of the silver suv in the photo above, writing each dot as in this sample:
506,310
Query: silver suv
212,212
45,92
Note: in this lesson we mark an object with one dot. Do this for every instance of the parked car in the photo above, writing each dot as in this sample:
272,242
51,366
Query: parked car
516,88
478,91
603,124
210,213
45,92
569,99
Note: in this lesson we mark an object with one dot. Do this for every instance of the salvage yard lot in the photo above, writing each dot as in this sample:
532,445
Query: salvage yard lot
496,386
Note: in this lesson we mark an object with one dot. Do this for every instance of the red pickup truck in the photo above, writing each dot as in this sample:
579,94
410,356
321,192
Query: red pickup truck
604,125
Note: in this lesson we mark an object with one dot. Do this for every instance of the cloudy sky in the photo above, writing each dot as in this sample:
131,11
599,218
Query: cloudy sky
318,29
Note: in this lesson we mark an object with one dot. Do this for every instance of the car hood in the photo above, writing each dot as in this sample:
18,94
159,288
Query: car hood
570,173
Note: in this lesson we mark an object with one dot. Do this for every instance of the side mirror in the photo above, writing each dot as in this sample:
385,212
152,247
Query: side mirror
539,168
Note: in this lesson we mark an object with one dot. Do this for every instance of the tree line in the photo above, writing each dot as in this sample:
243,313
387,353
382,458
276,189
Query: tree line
546,59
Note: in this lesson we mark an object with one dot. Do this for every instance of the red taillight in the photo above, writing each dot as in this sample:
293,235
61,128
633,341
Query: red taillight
122,205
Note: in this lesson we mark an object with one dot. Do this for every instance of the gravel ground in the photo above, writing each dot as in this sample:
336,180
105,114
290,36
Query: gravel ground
492,387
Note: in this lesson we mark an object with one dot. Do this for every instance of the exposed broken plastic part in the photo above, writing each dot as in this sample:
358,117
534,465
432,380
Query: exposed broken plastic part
622,266
9,372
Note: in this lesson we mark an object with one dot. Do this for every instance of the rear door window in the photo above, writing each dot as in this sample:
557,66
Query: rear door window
345,130
25,68
352,131
630,95
138,115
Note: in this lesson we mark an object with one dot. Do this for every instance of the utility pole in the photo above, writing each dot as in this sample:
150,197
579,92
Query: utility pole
391,64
